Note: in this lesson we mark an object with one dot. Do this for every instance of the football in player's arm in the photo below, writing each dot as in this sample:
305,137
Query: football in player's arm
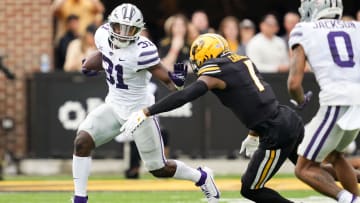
172,80
129,60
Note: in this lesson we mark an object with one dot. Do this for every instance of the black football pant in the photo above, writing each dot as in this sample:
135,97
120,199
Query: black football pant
279,139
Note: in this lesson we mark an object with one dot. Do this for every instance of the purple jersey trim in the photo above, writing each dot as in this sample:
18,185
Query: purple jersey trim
148,61
148,53
298,34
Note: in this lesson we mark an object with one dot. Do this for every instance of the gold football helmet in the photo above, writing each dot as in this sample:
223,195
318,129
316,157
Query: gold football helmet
205,47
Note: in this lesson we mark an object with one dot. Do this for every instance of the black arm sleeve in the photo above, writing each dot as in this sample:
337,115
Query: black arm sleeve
179,98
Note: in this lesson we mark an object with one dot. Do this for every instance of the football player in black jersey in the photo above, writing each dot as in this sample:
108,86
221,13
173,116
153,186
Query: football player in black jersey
235,80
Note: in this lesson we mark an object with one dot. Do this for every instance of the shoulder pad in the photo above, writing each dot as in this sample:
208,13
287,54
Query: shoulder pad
208,69
147,53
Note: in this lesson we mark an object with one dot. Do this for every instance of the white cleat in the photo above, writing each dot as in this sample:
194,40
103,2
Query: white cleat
209,188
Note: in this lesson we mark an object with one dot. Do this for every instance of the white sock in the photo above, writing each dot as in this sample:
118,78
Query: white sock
185,172
81,171
345,196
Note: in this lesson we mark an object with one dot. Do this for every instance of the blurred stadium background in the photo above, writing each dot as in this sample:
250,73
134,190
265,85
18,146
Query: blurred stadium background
40,109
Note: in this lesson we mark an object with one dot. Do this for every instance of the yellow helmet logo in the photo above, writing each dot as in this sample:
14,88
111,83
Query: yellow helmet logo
205,47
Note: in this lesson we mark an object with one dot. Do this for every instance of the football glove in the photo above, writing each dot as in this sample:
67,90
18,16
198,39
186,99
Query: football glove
89,73
179,75
249,145
307,98
132,123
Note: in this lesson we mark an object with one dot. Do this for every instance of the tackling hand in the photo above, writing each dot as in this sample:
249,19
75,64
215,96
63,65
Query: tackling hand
249,145
179,75
133,122
307,98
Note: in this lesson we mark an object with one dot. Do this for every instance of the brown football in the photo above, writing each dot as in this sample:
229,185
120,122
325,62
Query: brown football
93,61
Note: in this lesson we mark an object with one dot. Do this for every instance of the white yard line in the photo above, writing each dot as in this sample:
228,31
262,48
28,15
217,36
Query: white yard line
311,199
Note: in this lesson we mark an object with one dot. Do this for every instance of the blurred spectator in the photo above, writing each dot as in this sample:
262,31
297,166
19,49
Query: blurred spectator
78,49
290,20
174,48
247,32
201,22
266,50
193,33
72,25
347,18
358,15
229,29
89,12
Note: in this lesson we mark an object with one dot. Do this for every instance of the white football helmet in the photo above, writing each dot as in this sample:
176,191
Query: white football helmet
126,22
311,10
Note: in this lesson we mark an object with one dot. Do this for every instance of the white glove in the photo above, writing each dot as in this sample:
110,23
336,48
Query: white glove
249,145
132,123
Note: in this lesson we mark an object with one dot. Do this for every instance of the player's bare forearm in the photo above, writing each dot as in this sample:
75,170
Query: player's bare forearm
177,99
161,73
296,74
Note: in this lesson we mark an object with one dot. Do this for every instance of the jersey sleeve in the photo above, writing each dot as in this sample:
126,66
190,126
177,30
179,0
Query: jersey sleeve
148,55
298,35
211,69
101,36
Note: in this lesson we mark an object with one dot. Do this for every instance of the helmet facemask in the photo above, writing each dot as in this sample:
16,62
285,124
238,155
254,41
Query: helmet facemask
122,35
126,24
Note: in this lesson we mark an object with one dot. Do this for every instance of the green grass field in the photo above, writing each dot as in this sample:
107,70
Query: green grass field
154,196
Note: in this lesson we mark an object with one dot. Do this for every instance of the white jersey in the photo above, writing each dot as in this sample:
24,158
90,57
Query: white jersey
126,72
332,48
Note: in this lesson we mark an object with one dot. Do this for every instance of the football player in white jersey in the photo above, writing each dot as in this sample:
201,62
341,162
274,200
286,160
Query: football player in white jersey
332,48
129,60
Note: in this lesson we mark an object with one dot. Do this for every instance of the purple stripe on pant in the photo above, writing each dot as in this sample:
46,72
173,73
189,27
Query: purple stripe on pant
161,140
317,132
323,139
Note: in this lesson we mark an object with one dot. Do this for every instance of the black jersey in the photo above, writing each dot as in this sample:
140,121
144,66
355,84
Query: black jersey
246,93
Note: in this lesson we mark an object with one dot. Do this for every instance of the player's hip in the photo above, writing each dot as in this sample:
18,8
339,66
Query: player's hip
324,134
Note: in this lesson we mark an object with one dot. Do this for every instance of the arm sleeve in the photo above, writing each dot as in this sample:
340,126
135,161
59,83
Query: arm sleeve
297,36
179,98
147,55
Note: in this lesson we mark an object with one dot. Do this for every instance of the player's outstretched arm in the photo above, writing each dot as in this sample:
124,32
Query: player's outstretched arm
168,103
172,101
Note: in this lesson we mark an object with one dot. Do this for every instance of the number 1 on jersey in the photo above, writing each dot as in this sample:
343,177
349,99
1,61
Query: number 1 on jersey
253,75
